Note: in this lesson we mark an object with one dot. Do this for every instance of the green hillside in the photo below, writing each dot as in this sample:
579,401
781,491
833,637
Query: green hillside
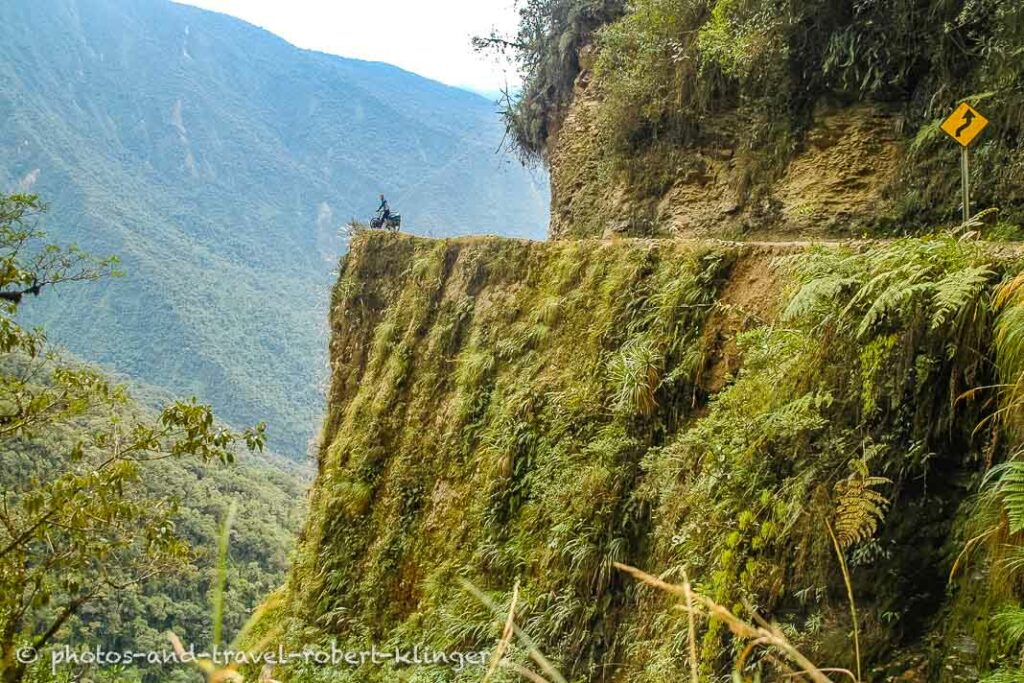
219,161
111,510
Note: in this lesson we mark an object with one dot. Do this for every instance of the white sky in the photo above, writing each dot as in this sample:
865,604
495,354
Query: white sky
428,37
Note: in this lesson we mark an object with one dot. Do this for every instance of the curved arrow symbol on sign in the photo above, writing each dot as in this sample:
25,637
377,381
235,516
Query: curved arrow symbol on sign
968,120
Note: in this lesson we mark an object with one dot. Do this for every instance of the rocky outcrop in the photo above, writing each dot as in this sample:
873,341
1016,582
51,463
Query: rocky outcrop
838,180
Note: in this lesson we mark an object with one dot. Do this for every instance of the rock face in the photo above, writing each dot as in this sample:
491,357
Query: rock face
849,159
508,412
839,178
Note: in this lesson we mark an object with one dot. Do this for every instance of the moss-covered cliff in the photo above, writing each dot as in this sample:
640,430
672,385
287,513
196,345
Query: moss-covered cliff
510,412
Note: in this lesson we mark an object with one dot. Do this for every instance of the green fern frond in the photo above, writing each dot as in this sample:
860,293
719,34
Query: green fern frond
1005,484
1009,623
957,291
927,134
891,305
816,295
1013,559
859,507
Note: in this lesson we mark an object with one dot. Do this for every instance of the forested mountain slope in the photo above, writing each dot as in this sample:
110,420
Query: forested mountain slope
114,502
219,161
269,497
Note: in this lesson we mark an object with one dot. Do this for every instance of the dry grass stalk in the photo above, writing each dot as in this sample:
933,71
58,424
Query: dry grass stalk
209,670
849,595
688,594
229,674
506,635
524,672
553,676
760,634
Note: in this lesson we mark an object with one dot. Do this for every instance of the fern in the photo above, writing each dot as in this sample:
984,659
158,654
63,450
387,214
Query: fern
859,507
926,135
932,292
957,292
817,295
1005,676
1005,484
1009,622
1012,556
892,304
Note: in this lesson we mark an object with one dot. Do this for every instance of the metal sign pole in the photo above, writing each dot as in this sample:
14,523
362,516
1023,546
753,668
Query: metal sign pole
964,125
965,168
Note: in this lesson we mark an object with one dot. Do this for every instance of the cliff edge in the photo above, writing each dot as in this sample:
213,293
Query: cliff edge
512,413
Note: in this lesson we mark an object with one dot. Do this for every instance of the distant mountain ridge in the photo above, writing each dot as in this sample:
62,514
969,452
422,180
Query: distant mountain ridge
219,161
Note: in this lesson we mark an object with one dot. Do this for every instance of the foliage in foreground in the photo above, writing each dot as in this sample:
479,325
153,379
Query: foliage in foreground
546,49
90,522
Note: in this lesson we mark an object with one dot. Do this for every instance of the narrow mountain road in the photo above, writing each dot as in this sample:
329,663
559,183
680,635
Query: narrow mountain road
796,244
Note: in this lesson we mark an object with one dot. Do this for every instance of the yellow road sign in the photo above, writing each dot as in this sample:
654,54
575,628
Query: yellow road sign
964,124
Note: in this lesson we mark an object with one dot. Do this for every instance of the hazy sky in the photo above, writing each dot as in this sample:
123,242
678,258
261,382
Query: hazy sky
428,37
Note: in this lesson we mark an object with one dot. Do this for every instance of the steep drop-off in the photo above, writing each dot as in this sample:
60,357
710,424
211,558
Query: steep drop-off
219,162
510,412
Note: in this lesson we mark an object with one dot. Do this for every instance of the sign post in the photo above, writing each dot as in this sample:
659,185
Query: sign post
965,171
964,125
